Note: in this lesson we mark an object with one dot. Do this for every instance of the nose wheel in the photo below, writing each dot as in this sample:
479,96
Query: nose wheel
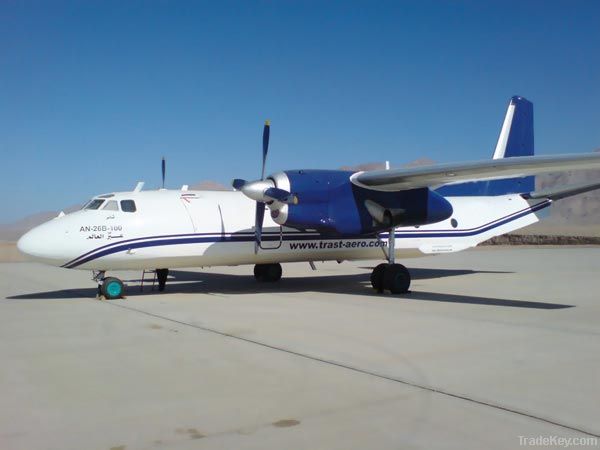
109,288
112,288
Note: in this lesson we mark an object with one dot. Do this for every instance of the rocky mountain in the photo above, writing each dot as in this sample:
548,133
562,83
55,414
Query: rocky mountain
583,209
12,231
209,185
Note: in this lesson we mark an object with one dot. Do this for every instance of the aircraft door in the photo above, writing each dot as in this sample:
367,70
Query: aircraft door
205,215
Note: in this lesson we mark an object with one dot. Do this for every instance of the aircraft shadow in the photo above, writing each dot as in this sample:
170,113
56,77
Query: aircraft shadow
428,274
62,294
188,282
415,273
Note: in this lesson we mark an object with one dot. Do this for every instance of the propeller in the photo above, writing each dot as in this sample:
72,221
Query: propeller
266,134
260,206
263,192
164,170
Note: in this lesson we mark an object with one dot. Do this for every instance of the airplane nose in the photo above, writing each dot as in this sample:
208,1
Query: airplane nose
27,243
42,244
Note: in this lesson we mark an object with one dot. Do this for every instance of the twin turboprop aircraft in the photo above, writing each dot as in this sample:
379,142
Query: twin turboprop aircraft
314,215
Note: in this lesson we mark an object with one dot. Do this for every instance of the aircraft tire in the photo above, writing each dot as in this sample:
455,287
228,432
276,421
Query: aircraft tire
112,288
396,279
377,277
267,272
273,272
259,272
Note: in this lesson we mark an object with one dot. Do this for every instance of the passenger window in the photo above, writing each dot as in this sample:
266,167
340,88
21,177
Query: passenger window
128,206
94,204
111,205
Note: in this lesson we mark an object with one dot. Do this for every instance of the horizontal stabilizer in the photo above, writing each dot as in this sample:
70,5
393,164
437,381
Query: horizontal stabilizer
563,192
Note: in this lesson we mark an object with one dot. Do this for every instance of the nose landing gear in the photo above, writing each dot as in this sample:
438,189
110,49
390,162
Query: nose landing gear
112,288
109,288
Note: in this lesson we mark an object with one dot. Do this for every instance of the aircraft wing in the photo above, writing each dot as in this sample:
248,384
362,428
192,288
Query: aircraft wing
440,174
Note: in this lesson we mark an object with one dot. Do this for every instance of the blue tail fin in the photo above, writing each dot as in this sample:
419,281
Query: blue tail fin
516,139
516,136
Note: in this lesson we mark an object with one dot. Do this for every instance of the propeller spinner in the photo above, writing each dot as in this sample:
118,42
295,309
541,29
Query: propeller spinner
263,192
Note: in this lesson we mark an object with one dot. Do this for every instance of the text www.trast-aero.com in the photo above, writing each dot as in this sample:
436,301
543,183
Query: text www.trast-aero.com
332,245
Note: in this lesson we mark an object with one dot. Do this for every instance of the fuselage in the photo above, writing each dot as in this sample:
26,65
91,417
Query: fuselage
169,228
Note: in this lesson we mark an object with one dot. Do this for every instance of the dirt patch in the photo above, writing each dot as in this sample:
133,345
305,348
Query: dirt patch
193,433
285,423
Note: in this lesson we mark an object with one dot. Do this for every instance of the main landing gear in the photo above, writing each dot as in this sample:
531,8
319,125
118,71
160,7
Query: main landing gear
391,276
267,272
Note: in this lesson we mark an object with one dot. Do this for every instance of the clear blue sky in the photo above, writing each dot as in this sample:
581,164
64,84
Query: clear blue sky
92,94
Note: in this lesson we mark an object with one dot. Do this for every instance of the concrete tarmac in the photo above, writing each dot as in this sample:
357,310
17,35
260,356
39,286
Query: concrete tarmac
492,346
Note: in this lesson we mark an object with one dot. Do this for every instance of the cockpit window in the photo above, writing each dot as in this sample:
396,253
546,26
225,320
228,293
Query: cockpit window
94,204
111,205
128,206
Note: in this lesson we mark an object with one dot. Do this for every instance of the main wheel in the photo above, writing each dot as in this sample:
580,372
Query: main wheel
267,272
273,272
377,277
259,272
112,288
396,279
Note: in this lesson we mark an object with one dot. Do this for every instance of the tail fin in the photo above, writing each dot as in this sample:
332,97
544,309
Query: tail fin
516,139
516,136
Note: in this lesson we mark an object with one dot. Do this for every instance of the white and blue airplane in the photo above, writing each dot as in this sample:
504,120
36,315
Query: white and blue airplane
315,215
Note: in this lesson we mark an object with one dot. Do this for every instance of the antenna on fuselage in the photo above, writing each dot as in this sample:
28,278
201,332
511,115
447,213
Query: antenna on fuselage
163,166
138,186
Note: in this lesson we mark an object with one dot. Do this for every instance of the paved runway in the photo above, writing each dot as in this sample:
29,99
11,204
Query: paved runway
490,345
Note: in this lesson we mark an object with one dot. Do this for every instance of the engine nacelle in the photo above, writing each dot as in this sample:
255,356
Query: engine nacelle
330,203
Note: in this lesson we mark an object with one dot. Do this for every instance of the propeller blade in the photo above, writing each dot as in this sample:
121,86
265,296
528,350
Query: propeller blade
266,133
281,196
258,223
238,184
164,169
